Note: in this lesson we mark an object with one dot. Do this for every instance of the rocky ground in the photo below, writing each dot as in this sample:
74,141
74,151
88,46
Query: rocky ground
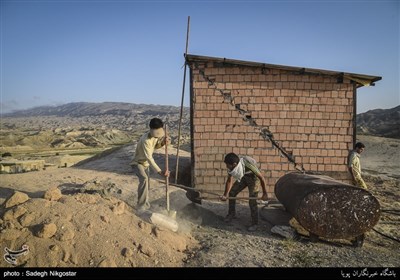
88,219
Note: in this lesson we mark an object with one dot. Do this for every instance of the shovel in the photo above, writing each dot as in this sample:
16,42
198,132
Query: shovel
195,195
161,220
171,213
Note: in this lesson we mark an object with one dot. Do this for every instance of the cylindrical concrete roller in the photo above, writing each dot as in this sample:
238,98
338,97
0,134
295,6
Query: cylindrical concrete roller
327,207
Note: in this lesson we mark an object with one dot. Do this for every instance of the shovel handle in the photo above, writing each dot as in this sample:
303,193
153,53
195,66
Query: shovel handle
212,193
232,198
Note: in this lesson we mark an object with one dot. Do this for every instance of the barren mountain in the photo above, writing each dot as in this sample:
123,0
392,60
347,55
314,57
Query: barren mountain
380,122
80,109
84,125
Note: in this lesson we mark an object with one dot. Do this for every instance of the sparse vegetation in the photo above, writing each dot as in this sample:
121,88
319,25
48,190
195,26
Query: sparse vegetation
303,258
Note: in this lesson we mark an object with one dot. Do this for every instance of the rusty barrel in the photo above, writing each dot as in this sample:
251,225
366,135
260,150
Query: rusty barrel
327,207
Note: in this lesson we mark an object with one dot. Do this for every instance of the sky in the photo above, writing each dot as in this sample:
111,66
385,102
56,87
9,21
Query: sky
57,52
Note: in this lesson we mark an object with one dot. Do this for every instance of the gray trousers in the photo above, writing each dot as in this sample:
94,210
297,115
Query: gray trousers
143,173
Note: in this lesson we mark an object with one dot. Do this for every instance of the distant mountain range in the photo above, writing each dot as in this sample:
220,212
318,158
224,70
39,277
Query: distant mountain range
378,122
81,109
81,125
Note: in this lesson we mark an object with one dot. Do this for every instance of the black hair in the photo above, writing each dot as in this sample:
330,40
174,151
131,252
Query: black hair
231,158
156,123
359,145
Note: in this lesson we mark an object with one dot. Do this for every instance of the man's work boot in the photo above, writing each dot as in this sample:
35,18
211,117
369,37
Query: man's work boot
252,228
229,218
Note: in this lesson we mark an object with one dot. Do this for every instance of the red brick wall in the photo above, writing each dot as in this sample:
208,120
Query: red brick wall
309,115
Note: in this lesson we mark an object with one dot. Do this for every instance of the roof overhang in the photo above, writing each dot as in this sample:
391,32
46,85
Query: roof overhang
359,79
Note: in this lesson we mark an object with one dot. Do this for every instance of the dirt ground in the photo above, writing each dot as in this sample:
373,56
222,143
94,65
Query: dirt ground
88,219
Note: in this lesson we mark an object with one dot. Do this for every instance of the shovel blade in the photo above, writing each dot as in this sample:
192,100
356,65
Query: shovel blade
193,196
164,222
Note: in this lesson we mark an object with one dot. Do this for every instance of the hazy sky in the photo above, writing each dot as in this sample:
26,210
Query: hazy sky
56,52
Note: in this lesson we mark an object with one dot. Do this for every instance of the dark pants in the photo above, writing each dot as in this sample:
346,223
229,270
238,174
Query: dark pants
253,184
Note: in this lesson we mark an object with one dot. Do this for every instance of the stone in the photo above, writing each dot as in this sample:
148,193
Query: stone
107,263
119,208
46,230
26,220
127,252
16,199
66,234
146,250
19,211
53,194
10,234
8,215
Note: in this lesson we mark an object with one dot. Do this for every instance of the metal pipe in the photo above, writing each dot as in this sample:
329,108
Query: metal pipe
181,112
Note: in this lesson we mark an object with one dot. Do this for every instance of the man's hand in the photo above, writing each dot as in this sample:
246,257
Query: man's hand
264,196
223,198
166,140
164,173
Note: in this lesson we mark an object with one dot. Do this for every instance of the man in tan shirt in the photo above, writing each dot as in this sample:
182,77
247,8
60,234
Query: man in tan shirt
143,159
354,165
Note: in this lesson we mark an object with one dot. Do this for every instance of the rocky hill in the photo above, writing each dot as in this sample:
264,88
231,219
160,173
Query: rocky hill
115,115
80,125
380,122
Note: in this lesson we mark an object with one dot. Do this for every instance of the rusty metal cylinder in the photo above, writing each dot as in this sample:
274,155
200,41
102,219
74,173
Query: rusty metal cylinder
327,207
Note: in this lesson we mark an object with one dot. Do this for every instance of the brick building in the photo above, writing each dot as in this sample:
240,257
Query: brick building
285,117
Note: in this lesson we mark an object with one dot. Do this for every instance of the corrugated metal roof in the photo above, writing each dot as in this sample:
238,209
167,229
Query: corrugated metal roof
360,79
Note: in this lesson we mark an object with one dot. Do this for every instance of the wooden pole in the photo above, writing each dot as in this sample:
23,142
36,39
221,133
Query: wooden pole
183,96
166,165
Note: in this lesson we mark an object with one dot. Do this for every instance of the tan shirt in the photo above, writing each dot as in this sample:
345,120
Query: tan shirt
355,164
144,151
